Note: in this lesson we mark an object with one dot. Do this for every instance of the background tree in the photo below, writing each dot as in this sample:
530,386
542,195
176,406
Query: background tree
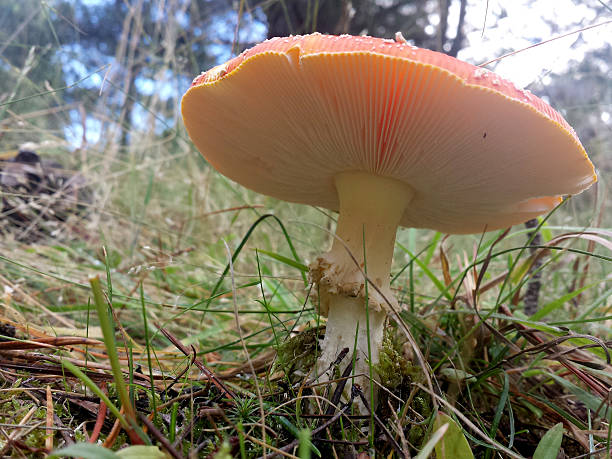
31,34
381,19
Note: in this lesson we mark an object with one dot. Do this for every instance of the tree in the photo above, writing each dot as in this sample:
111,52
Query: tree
381,19
30,35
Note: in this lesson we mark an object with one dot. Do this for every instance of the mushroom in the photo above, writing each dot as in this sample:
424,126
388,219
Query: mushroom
386,134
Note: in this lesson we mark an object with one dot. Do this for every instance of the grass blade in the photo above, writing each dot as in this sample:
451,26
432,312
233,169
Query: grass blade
453,444
550,444
426,451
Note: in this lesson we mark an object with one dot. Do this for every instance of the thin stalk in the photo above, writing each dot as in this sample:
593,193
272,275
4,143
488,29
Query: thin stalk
148,344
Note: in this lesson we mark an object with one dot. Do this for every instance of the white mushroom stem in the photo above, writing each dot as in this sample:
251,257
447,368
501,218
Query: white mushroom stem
370,210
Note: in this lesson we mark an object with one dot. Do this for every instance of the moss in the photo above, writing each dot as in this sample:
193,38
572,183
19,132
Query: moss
298,355
80,437
224,451
416,435
391,368
422,406
36,438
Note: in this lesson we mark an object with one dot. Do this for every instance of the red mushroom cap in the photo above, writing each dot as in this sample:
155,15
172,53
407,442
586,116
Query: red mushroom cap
286,116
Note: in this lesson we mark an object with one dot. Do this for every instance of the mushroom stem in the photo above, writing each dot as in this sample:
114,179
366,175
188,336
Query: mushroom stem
348,323
370,210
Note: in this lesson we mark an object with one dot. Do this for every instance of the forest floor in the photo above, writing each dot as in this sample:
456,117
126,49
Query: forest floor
129,326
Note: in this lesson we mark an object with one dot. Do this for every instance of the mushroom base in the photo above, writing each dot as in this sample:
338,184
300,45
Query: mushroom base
348,326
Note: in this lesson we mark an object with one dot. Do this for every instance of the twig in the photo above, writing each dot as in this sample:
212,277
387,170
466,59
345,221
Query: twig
157,434
344,442
211,376
17,432
379,423
112,435
335,400
95,433
340,387
49,432
66,433
163,394
186,430
582,29
400,431
335,363
50,343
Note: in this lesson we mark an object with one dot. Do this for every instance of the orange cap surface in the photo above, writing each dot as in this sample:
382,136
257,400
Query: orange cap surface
286,116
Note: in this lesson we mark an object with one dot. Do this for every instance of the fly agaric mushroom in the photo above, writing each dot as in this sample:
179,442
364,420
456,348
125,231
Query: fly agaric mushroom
387,134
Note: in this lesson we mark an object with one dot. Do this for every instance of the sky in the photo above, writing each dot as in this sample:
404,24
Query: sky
527,22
